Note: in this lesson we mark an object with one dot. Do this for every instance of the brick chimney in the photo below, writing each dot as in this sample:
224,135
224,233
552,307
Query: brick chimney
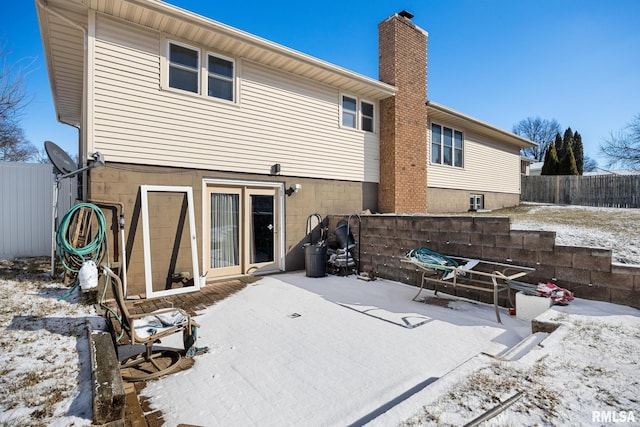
403,118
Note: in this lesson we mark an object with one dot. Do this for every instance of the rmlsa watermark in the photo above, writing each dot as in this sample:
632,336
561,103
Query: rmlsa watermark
613,417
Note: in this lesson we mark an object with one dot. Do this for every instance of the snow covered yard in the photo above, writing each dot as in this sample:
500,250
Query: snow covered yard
611,228
584,373
45,376
291,350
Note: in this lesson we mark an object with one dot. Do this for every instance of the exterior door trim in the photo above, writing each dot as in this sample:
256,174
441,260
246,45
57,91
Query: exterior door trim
278,187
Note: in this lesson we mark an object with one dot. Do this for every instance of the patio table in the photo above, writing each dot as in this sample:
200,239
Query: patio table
476,274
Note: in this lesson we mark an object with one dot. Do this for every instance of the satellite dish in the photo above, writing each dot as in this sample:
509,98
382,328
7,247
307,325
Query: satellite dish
59,158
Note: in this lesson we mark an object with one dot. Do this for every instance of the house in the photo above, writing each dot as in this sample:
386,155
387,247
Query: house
220,144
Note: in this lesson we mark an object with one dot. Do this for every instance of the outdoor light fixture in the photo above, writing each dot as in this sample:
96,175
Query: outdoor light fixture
275,169
293,189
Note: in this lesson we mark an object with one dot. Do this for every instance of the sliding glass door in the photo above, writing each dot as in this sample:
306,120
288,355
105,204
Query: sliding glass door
224,231
242,230
261,227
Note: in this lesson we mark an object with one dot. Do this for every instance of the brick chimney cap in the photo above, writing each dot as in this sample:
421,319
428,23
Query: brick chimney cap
406,14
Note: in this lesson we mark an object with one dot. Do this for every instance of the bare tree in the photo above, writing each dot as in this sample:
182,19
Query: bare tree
590,165
623,148
538,130
14,147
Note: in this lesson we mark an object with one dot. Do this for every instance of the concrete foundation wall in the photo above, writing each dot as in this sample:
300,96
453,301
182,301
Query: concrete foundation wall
444,200
120,184
588,272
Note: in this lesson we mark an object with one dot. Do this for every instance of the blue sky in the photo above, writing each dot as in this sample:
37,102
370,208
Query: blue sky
499,61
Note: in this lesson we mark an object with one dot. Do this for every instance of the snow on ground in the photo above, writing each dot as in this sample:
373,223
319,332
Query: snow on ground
610,228
290,350
584,372
45,374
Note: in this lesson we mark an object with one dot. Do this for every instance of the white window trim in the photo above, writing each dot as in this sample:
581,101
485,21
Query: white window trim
453,150
280,225
203,72
167,63
358,113
373,118
342,111
233,80
475,198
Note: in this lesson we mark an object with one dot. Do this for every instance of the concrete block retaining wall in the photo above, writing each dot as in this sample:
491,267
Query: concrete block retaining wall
588,272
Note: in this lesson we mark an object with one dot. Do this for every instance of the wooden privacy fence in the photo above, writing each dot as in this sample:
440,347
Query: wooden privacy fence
616,191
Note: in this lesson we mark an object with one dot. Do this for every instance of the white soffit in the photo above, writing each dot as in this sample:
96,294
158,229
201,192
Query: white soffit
64,47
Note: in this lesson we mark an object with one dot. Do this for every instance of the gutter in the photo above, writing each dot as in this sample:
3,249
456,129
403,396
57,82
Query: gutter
527,143
245,37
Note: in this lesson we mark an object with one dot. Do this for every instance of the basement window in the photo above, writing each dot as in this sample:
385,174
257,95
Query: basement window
476,202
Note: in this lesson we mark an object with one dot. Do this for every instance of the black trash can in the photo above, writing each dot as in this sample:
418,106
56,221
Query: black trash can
344,236
315,260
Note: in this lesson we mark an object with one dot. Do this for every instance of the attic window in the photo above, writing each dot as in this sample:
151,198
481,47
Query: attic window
184,66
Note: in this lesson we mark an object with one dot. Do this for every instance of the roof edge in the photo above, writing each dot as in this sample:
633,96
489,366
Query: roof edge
208,23
524,142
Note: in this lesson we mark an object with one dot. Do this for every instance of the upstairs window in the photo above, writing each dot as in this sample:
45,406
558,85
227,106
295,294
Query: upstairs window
366,113
349,111
357,114
446,146
184,68
220,77
193,69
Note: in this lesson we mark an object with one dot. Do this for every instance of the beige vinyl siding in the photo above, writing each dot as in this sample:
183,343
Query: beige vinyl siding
487,167
279,118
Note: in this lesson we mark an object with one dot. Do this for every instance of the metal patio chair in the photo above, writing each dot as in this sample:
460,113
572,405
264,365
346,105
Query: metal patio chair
147,329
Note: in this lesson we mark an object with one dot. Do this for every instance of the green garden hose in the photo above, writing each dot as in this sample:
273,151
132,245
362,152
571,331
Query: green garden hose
93,250
72,257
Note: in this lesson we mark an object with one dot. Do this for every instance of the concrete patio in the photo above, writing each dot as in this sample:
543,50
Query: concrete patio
293,350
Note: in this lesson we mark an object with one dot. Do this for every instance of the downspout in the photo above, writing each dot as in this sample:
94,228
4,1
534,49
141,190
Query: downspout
83,136
58,15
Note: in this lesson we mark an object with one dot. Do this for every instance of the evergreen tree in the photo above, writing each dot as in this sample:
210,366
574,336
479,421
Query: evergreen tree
568,163
558,144
551,163
567,140
578,152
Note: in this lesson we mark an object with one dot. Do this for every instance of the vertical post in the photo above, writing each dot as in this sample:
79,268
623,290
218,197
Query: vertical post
54,218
